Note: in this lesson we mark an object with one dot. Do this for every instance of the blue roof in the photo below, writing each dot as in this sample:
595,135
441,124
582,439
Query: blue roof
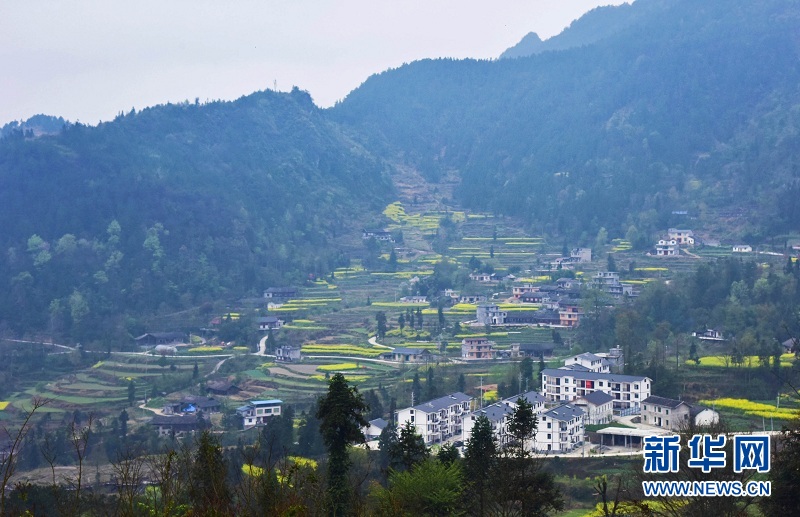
270,402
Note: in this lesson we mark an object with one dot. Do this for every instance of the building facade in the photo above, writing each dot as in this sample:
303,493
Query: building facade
437,420
628,391
258,411
560,429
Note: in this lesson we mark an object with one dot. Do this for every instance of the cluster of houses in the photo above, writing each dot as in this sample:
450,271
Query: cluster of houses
585,391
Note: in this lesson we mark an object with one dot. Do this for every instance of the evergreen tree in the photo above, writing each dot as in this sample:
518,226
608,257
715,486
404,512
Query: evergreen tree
411,447
479,462
208,486
380,319
341,419
416,389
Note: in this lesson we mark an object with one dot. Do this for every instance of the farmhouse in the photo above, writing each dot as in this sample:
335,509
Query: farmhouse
176,425
476,349
374,428
192,405
675,414
258,411
591,362
581,255
490,314
628,391
667,248
682,237
709,335
534,297
482,277
266,323
438,419
608,282
280,293
377,234
472,298
288,354
409,355
222,388
531,349
161,338
742,248
519,290
569,314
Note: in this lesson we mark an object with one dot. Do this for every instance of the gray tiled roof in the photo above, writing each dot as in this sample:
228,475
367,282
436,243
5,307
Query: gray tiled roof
565,412
598,398
662,401
532,397
443,402
591,376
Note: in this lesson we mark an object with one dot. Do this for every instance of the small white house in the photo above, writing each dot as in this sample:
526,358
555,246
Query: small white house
258,411
598,408
742,248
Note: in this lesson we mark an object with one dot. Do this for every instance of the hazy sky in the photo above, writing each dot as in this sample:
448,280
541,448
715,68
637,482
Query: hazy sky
88,60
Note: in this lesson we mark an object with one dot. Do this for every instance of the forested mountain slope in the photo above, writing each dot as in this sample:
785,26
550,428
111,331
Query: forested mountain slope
174,206
694,106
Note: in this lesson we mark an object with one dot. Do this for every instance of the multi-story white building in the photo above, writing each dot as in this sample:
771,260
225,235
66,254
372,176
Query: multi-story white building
683,237
560,429
628,391
438,419
258,411
490,314
499,414
667,248
592,363
598,408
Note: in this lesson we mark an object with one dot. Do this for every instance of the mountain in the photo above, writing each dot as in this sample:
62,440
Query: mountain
175,206
596,25
690,107
37,125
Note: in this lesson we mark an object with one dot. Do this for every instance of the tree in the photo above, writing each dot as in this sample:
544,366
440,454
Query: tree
419,318
431,488
208,487
380,319
123,423
388,457
271,345
785,473
341,419
131,392
612,264
448,454
401,322
411,447
195,371
479,460
416,389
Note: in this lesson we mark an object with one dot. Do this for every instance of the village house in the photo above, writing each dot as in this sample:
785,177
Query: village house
490,314
258,411
561,429
523,318
378,235
374,428
667,248
222,388
534,350
476,349
628,391
682,237
519,290
608,282
614,357
414,299
162,338
176,425
266,323
482,277
408,355
280,293
499,415
537,297
439,419
581,255
569,314
675,414
709,335
472,298
288,354
192,405
598,408
742,248
591,362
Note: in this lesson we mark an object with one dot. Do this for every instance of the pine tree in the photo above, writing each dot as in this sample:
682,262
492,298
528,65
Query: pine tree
479,461
341,419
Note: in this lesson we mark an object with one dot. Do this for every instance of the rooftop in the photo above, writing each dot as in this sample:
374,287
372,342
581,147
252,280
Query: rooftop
443,402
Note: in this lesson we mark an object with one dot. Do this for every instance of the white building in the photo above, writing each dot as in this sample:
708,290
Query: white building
258,411
581,255
598,408
592,363
439,419
742,248
374,428
560,429
682,237
675,414
499,414
667,248
628,391
490,314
